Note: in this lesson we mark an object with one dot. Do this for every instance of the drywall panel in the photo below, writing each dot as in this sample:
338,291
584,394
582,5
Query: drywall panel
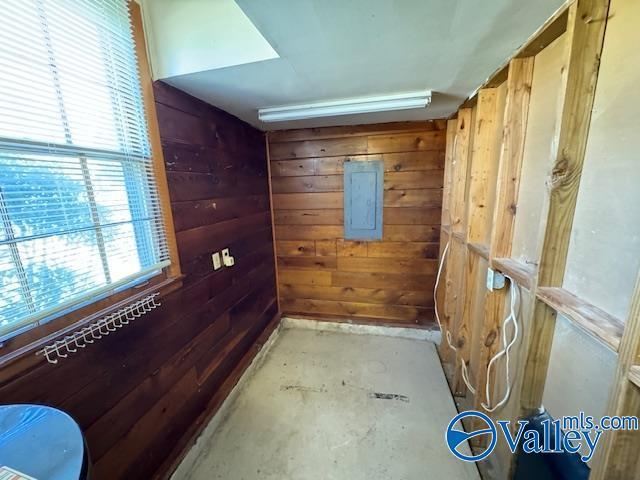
581,370
604,253
541,126
190,36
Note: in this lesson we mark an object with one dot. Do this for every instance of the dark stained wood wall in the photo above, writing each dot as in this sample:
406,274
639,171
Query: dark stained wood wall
141,393
321,274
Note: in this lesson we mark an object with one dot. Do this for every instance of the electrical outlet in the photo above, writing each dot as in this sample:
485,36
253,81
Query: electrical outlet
227,259
215,257
495,280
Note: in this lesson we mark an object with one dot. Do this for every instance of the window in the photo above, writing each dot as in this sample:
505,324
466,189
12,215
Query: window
79,209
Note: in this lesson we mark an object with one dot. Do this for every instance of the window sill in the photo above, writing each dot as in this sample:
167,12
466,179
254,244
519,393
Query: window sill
29,342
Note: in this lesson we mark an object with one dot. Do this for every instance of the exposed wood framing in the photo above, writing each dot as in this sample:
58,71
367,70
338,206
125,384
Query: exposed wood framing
515,124
518,88
617,457
594,320
585,27
462,149
456,202
457,248
448,172
477,241
484,164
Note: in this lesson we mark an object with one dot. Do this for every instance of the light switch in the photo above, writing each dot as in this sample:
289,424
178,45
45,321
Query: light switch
215,257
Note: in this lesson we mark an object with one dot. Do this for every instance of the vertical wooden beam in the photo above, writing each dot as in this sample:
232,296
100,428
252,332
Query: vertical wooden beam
460,173
585,29
514,123
617,456
471,285
445,235
448,172
484,164
273,222
482,184
466,262
457,206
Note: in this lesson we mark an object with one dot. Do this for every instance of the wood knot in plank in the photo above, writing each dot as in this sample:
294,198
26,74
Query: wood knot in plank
491,338
559,172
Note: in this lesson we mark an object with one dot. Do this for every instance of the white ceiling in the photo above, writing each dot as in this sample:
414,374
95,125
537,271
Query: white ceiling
332,49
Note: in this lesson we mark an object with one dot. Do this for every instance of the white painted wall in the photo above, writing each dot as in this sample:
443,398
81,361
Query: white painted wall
189,36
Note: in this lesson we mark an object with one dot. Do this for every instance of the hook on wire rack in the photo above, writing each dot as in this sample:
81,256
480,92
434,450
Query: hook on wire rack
98,329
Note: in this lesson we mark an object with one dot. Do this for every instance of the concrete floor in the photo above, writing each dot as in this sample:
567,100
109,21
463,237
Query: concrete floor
311,410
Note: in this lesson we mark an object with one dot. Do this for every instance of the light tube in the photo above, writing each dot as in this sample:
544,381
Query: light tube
381,103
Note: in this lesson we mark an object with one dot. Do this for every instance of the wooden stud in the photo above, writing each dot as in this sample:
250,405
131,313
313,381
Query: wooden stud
617,456
511,155
586,38
483,169
514,122
460,174
448,172
461,149
484,163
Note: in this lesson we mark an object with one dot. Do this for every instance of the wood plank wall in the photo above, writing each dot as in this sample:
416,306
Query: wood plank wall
322,275
141,393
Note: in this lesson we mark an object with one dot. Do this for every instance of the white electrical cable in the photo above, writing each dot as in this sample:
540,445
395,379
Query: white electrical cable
506,345
447,334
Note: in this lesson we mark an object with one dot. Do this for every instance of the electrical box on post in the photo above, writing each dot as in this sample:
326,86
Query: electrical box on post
495,280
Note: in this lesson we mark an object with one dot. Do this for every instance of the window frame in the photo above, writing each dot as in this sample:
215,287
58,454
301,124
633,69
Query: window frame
31,338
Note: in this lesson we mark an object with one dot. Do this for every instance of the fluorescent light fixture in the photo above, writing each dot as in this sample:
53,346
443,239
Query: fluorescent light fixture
381,103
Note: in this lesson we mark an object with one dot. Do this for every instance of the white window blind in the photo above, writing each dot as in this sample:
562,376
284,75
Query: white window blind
79,208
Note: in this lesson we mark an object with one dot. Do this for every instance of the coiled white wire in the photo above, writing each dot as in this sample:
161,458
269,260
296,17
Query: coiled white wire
506,345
